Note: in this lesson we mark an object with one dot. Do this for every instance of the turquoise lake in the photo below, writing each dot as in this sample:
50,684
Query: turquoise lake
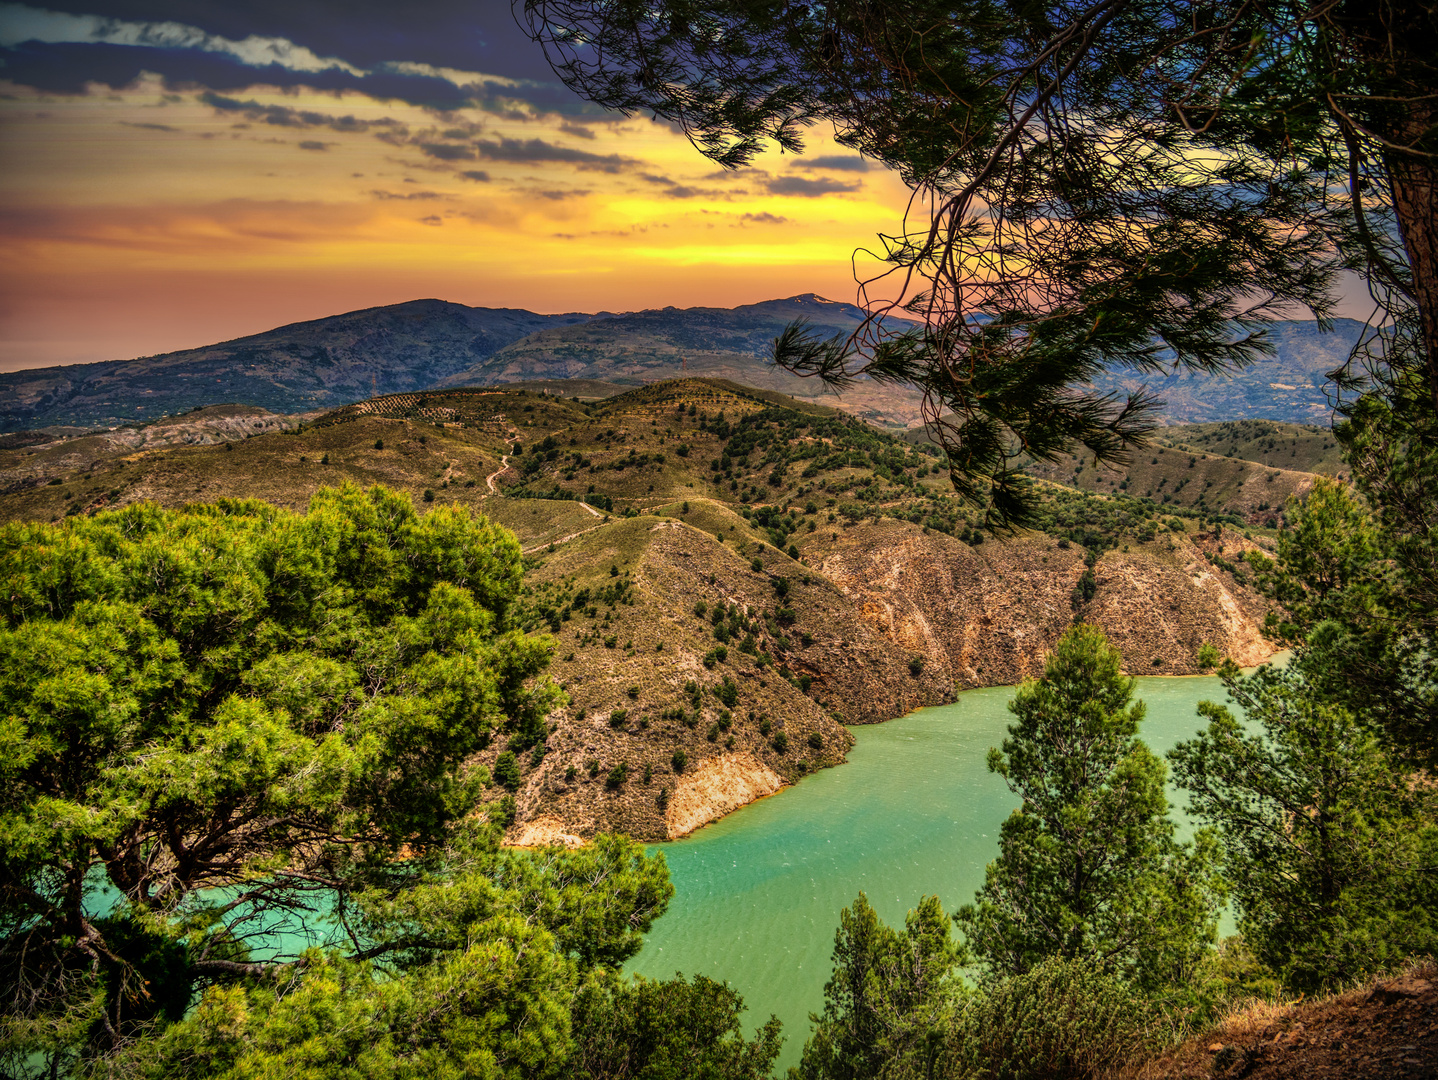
914,811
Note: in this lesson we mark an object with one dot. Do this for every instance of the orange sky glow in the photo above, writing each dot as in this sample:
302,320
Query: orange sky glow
145,219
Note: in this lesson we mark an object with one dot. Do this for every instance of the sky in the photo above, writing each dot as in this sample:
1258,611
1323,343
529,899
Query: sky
179,172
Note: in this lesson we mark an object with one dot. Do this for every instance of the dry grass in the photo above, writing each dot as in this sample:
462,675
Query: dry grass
1384,1026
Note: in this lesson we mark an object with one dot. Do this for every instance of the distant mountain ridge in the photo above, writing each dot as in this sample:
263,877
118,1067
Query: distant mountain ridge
1287,386
323,362
428,344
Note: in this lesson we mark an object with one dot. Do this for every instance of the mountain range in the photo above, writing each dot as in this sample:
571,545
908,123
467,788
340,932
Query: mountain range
433,344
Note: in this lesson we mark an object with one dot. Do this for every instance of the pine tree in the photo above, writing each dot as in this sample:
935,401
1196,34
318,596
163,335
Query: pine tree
1088,865
1328,842
1139,184
890,1004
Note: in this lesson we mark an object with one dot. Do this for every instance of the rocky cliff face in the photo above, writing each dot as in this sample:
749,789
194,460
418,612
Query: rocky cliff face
986,616
887,619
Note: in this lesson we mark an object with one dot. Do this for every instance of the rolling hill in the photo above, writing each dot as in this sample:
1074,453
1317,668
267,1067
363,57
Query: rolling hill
724,571
1287,386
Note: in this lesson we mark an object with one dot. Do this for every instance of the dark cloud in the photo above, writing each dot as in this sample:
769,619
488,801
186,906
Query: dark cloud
406,196
365,34
684,191
674,190
69,68
314,144
808,189
836,162
478,175
284,116
764,218
433,219
577,131
560,196
448,151
459,34
148,127
526,151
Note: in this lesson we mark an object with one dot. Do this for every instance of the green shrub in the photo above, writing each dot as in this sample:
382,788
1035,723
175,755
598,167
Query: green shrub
506,771
569,774
633,692
816,740
916,665
757,566
679,760
379,444
727,691
617,776
1064,1020
503,811
1208,656
781,742
618,717
429,495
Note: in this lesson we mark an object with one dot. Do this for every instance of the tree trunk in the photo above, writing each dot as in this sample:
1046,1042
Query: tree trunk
1397,41
1415,202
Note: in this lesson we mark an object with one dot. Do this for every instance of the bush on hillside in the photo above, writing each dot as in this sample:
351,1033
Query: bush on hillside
1063,1020
506,771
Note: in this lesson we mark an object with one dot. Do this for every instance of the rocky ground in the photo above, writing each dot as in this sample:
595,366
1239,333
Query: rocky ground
1387,1030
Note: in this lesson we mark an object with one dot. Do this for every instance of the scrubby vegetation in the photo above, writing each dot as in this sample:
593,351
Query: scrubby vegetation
233,721
286,688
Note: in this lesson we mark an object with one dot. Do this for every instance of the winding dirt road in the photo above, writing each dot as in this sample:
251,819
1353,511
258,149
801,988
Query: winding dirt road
503,464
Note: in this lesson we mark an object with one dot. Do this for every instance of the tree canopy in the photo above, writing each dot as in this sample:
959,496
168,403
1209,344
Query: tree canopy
1140,183
239,823
1327,840
1088,865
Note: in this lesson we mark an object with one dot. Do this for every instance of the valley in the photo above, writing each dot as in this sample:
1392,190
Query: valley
730,577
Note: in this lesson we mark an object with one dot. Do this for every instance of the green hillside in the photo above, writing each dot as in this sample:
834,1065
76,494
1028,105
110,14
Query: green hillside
725,571
1301,447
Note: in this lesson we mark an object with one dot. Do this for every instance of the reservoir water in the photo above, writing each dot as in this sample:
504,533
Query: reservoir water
915,811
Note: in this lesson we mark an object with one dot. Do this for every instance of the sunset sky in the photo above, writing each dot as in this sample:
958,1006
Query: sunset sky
178,172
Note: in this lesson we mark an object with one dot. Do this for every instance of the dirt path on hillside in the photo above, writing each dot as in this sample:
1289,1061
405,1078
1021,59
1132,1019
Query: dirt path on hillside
560,540
503,464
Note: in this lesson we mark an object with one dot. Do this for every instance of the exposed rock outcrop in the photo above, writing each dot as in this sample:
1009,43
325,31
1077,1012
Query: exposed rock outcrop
718,786
987,616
